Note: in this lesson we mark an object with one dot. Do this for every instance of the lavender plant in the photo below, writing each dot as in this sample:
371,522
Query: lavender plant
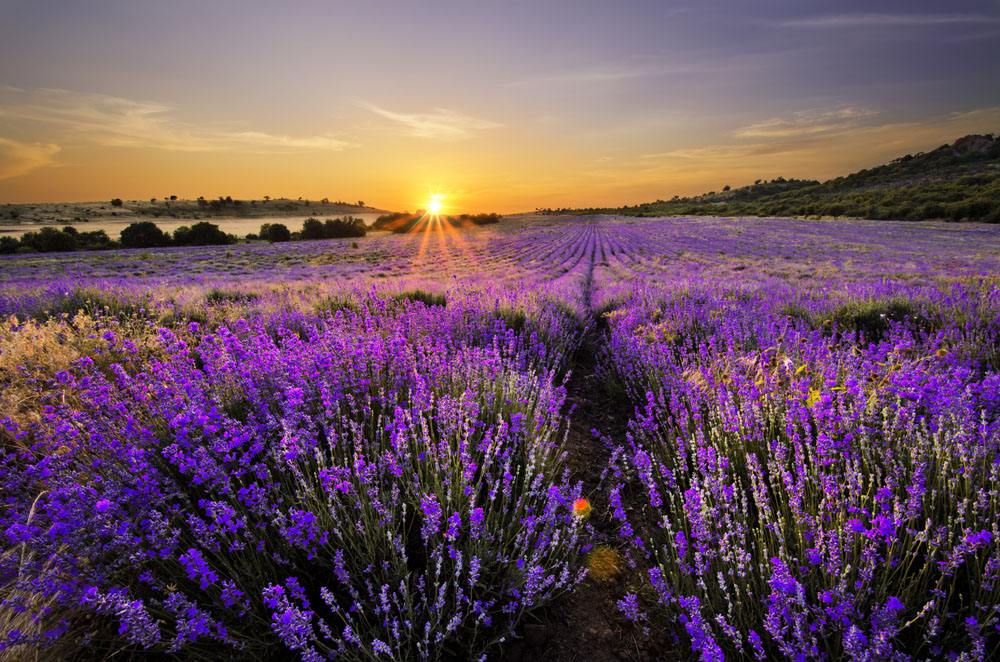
335,450
805,493
351,485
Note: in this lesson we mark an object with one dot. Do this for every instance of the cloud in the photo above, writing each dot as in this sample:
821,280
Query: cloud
20,158
442,123
806,122
862,20
112,121
818,154
612,73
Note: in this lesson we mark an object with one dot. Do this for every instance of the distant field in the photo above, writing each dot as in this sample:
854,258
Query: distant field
669,437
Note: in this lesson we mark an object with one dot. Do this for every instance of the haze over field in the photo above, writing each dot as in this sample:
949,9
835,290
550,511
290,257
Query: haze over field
497,106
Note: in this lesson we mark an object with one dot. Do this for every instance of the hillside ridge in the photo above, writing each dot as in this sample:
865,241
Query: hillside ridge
959,181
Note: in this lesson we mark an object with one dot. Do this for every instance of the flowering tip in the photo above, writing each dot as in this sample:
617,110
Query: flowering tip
581,508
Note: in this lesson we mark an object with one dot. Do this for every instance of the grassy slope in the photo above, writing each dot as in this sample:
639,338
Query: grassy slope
960,181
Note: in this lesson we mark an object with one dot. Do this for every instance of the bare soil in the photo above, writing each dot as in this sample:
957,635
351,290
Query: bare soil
586,625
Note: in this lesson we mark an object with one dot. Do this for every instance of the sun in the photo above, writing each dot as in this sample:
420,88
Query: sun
435,204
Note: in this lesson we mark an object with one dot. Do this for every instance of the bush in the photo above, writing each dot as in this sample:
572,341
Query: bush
275,232
50,240
424,297
144,234
218,296
201,234
349,226
333,228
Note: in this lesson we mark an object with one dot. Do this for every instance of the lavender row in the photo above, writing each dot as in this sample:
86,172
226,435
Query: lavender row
379,482
807,478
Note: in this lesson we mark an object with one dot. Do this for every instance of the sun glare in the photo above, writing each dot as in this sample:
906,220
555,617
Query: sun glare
435,205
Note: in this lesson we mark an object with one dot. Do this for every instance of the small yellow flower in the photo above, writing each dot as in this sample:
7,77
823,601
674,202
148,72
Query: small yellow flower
814,396
941,352
581,508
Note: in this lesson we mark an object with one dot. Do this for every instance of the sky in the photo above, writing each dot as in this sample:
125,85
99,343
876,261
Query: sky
497,106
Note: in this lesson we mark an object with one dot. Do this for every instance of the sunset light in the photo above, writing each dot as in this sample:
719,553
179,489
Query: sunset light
500,330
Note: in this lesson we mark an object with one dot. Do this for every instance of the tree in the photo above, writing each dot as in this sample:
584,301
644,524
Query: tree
93,241
8,245
361,203
201,234
335,228
312,228
173,197
49,240
116,202
144,234
275,232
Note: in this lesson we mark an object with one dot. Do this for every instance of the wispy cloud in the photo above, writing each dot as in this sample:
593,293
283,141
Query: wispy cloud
19,158
120,122
833,152
611,73
862,20
807,122
441,123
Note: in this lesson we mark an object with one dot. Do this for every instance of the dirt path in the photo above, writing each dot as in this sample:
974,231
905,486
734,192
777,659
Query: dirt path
586,626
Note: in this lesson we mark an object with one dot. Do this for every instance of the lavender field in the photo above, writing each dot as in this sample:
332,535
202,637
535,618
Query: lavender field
788,445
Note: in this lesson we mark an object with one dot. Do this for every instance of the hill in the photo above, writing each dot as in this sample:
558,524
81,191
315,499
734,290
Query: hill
958,182
60,213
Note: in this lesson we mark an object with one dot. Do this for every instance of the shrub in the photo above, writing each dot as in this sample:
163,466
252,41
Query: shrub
424,297
218,296
349,226
201,234
275,232
50,239
144,234
312,228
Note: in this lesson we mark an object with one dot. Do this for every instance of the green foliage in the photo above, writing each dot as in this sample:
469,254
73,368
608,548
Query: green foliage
144,234
870,320
202,234
275,232
49,239
219,296
333,228
337,302
97,303
423,296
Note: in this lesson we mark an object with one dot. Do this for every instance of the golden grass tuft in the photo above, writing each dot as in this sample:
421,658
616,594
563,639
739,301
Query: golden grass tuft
604,563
